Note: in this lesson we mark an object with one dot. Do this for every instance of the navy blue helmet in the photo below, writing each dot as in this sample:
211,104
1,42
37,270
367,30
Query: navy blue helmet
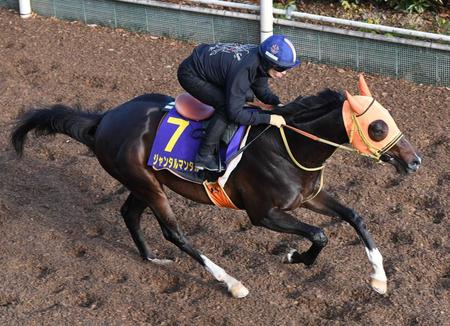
279,52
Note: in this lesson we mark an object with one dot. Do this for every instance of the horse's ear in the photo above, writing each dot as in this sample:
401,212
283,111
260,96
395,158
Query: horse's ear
356,107
363,88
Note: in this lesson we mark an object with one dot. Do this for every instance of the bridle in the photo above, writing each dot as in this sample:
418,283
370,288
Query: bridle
378,154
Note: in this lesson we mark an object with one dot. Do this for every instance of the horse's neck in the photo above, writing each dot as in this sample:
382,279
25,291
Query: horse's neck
331,127
313,153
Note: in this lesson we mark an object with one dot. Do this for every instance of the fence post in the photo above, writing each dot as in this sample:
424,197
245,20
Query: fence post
25,8
266,19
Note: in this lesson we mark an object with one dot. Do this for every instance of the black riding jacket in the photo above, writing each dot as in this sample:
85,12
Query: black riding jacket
237,68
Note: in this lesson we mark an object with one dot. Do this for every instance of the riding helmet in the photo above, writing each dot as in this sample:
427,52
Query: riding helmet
278,51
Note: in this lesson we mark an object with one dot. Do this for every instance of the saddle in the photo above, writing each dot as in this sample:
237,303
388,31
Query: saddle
180,134
192,109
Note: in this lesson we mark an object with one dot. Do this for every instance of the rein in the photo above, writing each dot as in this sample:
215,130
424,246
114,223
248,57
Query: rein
248,144
297,163
310,136
288,149
376,154
320,140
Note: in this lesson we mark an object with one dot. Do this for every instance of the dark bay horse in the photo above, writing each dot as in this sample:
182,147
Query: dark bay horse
286,167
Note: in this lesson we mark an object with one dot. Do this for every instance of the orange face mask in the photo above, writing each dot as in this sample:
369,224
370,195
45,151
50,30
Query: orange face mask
370,127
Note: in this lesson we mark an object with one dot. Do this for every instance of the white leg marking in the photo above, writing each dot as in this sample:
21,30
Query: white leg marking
289,255
160,261
235,287
379,279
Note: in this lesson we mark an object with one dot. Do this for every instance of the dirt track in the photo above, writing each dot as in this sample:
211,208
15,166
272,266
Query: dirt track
66,255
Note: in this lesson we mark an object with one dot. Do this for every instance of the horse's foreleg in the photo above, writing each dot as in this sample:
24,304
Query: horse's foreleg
323,203
131,212
280,221
158,202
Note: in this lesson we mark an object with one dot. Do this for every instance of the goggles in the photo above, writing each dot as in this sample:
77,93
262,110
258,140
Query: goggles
279,68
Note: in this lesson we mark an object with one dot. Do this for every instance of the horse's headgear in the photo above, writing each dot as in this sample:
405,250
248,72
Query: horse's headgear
370,127
279,52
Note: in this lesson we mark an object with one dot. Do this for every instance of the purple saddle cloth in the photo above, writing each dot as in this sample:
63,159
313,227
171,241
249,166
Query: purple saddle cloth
177,142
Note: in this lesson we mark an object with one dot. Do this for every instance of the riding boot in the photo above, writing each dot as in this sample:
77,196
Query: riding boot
208,154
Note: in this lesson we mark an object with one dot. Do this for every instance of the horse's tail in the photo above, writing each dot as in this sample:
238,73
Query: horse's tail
58,118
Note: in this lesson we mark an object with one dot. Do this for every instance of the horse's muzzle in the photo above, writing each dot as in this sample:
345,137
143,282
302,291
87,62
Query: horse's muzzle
401,165
413,166
403,157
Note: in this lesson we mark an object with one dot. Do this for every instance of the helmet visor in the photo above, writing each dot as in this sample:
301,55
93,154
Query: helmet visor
279,68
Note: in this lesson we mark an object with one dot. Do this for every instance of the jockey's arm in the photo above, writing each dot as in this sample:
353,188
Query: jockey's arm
263,93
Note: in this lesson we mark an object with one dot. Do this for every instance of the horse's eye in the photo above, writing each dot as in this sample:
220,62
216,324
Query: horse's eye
378,130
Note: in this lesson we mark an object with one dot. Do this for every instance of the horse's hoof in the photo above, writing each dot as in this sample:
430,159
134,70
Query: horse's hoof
238,290
378,285
160,261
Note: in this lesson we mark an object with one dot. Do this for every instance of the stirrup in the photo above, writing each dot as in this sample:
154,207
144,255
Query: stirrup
209,163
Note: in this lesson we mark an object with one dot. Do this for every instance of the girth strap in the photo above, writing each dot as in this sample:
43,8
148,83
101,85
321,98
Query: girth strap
218,195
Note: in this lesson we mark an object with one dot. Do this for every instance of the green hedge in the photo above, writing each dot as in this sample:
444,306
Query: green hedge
411,6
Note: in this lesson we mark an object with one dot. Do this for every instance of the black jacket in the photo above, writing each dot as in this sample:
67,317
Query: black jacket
237,68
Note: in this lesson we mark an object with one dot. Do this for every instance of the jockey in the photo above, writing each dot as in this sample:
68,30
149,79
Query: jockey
223,75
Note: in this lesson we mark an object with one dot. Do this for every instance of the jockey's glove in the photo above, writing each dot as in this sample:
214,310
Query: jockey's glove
277,120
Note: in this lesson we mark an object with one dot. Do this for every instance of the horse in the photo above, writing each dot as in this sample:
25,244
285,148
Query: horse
286,163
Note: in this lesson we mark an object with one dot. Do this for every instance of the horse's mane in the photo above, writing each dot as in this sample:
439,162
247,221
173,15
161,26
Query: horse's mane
308,108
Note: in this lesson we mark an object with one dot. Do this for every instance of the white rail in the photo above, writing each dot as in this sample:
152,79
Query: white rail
331,20
329,29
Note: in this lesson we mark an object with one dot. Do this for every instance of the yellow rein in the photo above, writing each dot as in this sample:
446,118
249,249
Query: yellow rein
320,168
288,149
320,140
376,153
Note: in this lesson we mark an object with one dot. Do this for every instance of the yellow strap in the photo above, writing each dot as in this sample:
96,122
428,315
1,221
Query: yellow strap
320,184
283,136
320,140
376,153
392,143
314,194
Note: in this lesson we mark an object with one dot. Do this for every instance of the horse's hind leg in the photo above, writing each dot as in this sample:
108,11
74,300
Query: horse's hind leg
156,199
131,212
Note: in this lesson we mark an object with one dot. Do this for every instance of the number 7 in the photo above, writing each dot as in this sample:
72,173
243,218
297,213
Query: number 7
182,124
